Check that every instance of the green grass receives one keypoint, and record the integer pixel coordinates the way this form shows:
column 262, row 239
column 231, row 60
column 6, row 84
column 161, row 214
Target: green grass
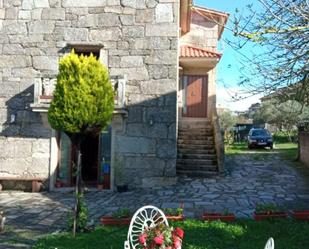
column 287, row 150
column 243, row 234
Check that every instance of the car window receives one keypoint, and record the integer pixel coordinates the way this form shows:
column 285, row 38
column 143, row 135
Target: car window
column 260, row 133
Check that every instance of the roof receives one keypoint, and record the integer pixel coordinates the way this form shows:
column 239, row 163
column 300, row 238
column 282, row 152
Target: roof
column 218, row 16
column 194, row 52
column 211, row 11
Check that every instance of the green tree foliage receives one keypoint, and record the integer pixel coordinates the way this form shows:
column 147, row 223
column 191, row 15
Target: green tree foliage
column 273, row 47
column 285, row 116
column 82, row 106
column 83, row 98
column 227, row 121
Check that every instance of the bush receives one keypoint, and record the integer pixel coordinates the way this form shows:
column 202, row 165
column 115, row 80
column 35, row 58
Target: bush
column 82, row 217
column 285, row 137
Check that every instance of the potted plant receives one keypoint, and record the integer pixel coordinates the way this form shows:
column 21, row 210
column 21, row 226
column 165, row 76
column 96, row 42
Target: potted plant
column 268, row 211
column 224, row 216
column 119, row 178
column 120, row 217
column 174, row 214
column 161, row 236
column 58, row 183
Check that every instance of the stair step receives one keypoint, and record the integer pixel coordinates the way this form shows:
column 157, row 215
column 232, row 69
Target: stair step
column 208, row 156
column 194, row 125
column 195, row 136
column 196, row 161
column 186, row 150
column 196, row 146
column 205, row 129
column 195, row 141
column 197, row 173
column 210, row 168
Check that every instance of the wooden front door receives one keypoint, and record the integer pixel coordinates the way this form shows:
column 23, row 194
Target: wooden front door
column 195, row 97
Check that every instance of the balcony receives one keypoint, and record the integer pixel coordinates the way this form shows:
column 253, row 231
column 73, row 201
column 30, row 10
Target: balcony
column 44, row 87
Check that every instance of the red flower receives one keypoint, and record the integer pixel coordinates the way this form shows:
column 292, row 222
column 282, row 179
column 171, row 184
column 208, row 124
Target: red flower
column 179, row 232
column 177, row 243
column 142, row 238
column 159, row 239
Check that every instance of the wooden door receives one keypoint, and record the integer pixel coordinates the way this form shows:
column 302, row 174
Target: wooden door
column 195, row 98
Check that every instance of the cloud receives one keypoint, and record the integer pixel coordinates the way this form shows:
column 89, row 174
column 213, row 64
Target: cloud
column 225, row 99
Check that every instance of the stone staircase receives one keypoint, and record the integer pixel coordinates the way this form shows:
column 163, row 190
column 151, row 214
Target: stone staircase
column 196, row 155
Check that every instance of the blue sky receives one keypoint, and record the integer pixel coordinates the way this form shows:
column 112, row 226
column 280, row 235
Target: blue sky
column 229, row 68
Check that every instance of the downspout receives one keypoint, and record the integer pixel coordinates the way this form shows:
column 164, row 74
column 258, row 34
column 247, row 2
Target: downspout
column 219, row 142
column 185, row 15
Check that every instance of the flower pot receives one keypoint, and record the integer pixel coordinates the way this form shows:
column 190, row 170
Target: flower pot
column 58, row 184
column 300, row 215
column 217, row 216
column 111, row 221
column 269, row 215
column 100, row 186
column 122, row 188
column 36, row 186
column 175, row 217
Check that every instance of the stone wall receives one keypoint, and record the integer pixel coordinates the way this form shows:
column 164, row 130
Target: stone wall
column 26, row 157
column 203, row 33
column 140, row 39
column 304, row 147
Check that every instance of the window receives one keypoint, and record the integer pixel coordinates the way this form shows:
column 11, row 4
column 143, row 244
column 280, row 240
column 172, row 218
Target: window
column 86, row 49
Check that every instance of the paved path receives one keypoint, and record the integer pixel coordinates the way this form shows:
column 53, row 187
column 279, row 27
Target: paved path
column 248, row 181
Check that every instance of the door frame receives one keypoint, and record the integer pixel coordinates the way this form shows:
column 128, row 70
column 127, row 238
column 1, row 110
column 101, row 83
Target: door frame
column 184, row 83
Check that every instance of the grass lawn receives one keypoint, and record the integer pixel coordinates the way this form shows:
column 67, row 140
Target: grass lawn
column 287, row 150
column 243, row 234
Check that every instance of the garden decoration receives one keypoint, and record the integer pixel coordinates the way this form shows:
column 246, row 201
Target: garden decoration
column 161, row 237
column 225, row 216
column 270, row 244
column 268, row 211
column 145, row 221
column 120, row 217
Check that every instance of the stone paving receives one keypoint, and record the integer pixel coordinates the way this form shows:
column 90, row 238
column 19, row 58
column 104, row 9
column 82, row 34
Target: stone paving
column 247, row 182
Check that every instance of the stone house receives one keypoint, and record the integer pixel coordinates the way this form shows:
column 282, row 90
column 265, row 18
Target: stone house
column 161, row 56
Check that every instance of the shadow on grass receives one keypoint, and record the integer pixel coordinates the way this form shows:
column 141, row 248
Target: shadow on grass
column 286, row 150
column 243, row 234
column 101, row 237
column 19, row 238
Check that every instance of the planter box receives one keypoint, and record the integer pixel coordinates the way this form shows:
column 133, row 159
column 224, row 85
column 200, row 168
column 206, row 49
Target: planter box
column 217, row 216
column 175, row 218
column 269, row 215
column 300, row 215
column 111, row 221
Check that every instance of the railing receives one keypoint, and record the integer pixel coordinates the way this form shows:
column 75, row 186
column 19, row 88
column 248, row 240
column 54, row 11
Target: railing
column 219, row 142
column 44, row 87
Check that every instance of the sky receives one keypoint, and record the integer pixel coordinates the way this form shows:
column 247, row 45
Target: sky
column 228, row 69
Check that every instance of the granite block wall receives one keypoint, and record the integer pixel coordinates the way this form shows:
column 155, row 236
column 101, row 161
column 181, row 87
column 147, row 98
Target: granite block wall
column 139, row 39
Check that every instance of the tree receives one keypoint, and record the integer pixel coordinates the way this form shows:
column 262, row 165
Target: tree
column 227, row 121
column 277, row 34
column 286, row 116
column 82, row 106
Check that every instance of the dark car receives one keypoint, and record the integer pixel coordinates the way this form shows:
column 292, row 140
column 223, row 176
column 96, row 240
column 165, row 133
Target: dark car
column 260, row 138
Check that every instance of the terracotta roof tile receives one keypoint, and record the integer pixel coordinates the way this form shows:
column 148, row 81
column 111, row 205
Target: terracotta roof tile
column 194, row 52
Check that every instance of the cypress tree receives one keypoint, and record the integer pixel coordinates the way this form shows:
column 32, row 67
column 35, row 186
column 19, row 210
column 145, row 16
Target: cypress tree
column 82, row 106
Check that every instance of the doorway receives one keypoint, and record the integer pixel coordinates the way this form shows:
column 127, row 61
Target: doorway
column 196, row 96
column 90, row 160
